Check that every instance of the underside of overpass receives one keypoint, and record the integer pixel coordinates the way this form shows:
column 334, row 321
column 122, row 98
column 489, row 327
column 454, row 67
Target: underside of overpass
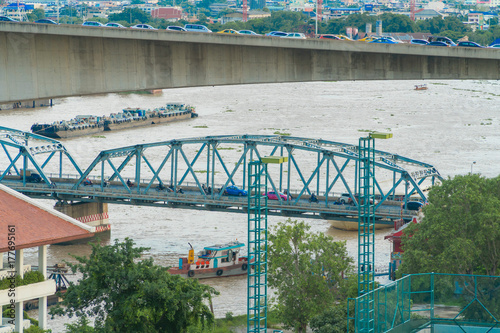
column 45, row 61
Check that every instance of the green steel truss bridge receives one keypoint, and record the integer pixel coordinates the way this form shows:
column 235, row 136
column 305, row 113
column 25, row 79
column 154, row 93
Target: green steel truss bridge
column 194, row 173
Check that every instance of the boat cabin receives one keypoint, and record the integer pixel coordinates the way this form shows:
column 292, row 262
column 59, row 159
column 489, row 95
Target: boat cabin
column 220, row 255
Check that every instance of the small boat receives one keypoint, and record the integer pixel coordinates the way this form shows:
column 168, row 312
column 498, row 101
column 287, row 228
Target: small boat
column 420, row 87
column 213, row 261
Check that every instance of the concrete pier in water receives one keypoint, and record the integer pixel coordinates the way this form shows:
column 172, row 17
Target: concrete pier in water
column 94, row 214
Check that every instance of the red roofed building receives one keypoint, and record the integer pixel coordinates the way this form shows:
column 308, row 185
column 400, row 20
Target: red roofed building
column 167, row 13
column 397, row 248
column 24, row 223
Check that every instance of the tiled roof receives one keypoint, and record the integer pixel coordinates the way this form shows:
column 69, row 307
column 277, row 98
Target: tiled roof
column 35, row 224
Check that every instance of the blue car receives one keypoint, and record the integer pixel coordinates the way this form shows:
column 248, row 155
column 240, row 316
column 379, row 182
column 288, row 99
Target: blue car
column 438, row 44
column 234, row 190
column 7, row 19
column 45, row 21
column 469, row 44
column 384, row 40
column 419, row 41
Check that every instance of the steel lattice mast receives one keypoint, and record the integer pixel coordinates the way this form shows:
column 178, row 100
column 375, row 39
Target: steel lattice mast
column 366, row 230
column 257, row 248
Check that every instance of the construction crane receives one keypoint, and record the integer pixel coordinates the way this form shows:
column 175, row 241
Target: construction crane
column 412, row 10
column 319, row 14
column 245, row 10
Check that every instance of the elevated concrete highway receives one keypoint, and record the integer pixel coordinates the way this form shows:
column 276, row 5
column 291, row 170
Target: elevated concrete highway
column 48, row 61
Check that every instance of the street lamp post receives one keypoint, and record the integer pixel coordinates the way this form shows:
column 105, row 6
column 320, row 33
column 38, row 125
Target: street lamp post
column 471, row 166
column 316, row 33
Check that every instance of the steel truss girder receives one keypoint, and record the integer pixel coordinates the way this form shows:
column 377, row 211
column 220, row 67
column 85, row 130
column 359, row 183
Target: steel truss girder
column 28, row 146
column 333, row 159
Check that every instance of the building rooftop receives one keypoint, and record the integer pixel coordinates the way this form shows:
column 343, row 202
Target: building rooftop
column 35, row 224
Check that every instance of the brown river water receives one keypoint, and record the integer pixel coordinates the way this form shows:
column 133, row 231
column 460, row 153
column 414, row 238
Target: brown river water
column 450, row 125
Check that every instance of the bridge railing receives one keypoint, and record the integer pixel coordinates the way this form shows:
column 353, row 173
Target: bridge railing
column 195, row 198
column 432, row 301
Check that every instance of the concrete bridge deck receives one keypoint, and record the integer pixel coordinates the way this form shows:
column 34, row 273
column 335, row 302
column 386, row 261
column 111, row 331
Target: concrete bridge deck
column 48, row 61
column 191, row 198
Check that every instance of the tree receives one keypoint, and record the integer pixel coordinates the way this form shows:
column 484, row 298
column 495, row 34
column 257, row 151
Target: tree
column 126, row 294
column 36, row 14
column 306, row 270
column 460, row 232
column 130, row 15
column 334, row 319
column 397, row 23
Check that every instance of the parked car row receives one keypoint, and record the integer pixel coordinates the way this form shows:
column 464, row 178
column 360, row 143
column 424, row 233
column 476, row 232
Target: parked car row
column 447, row 42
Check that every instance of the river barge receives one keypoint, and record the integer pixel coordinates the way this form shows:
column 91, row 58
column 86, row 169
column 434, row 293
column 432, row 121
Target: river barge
column 213, row 261
column 136, row 117
column 129, row 118
column 80, row 125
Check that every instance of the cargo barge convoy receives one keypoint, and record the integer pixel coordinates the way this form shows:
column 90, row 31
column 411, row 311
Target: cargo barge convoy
column 128, row 118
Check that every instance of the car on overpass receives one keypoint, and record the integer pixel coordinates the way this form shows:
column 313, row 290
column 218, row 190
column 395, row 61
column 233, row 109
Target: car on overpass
column 368, row 38
column 45, row 21
column 92, row 24
column 296, row 35
column 419, row 41
column 383, row 40
column 329, row 37
column 143, row 26
column 442, row 39
column 249, row 32
column 276, row 34
column 114, row 25
column 343, row 37
column 196, row 28
column 436, row 43
column 469, row 44
column 7, row 19
column 175, row 28
column 228, row 32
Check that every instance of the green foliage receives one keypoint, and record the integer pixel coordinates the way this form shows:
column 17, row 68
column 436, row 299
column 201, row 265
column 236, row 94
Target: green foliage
column 29, row 277
column 332, row 320
column 305, row 270
column 36, row 14
column 460, row 232
column 127, row 294
column 131, row 16
column 81, row 326
column 36, row 329
column 397, row 23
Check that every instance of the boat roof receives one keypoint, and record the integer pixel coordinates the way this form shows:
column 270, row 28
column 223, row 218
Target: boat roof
column 222, row 247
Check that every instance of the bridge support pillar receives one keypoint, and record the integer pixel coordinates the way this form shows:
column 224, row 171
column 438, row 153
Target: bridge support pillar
column 94, row 214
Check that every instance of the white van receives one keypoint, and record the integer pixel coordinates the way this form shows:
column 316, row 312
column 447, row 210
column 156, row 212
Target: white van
column 196, row 27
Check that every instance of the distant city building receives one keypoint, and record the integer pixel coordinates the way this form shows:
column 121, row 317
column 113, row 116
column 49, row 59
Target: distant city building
column 257, row 4
column 238, row 16
column 216, row 8
column 425, row 14
column 167, row 13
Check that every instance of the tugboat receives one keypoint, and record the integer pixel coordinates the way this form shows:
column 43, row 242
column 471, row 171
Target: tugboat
column 213, row 261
